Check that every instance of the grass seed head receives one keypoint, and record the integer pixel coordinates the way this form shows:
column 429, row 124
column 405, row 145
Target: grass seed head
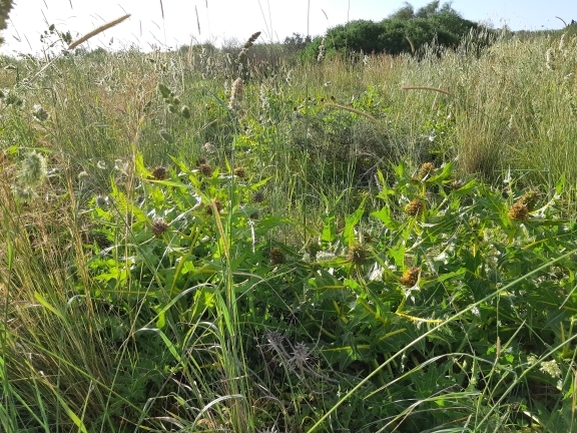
column 236, row 95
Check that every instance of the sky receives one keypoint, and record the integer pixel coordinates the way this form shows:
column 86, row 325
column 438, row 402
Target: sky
column 169, row 24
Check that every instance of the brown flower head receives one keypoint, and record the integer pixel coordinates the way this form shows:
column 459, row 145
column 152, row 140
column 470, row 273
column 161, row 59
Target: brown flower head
column 205, row 170
column 277, row 256
column 258, row 197
column 410, row 277
column 357, row 254
column 426, row 169
column 415, row 208
column 518, row 211
column 159, row 227
column 160, row 173
column 240, row 172
column 529, row 199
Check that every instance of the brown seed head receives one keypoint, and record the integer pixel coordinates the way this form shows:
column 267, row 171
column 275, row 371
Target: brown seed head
column 529, row 199
column 426, row 169
column 160, row 173
column 240, row 172
column 410, row 277
column 415, row 208
column 258, row 197
column 205, row 170
column 518, row 211
column 159, row 227
column 277, row 256
column 357, row 254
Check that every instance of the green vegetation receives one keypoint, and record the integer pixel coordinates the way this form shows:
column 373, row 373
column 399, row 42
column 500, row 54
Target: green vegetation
column 373, row 244
column 405, row 31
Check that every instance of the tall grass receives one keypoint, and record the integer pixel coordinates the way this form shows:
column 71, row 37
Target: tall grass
column 286, row 262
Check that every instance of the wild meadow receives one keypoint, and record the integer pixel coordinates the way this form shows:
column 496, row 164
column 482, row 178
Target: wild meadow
column 239, row 241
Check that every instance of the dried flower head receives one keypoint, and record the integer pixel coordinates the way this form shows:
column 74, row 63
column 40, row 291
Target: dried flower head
column 456, row 184
column 160, row 173
column 240, row 172
column 426, row 169
column 258, row 197
column 205, row 170
column 159, row 227
column 40, row 113
column 415, row 208
column 23, row 194
column 518, row 211
column 529, row 199
column 357, row 254
column 410, row 276
column 208, row 147
column 277, row 256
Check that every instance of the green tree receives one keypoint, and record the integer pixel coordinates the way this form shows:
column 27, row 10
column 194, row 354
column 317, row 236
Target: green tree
column 5, row 7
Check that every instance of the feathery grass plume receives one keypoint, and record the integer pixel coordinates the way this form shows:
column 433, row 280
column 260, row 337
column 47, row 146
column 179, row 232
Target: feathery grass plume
column 97, row 30
column 251, row 40
column 550, row 59
column 236, row 95
column 242, row 58
column 321, row 54
column 562, row 42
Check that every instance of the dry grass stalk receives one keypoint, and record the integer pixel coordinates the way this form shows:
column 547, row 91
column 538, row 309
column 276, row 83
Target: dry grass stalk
column 435, row 89
column 97, row 31
column 352, row 110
